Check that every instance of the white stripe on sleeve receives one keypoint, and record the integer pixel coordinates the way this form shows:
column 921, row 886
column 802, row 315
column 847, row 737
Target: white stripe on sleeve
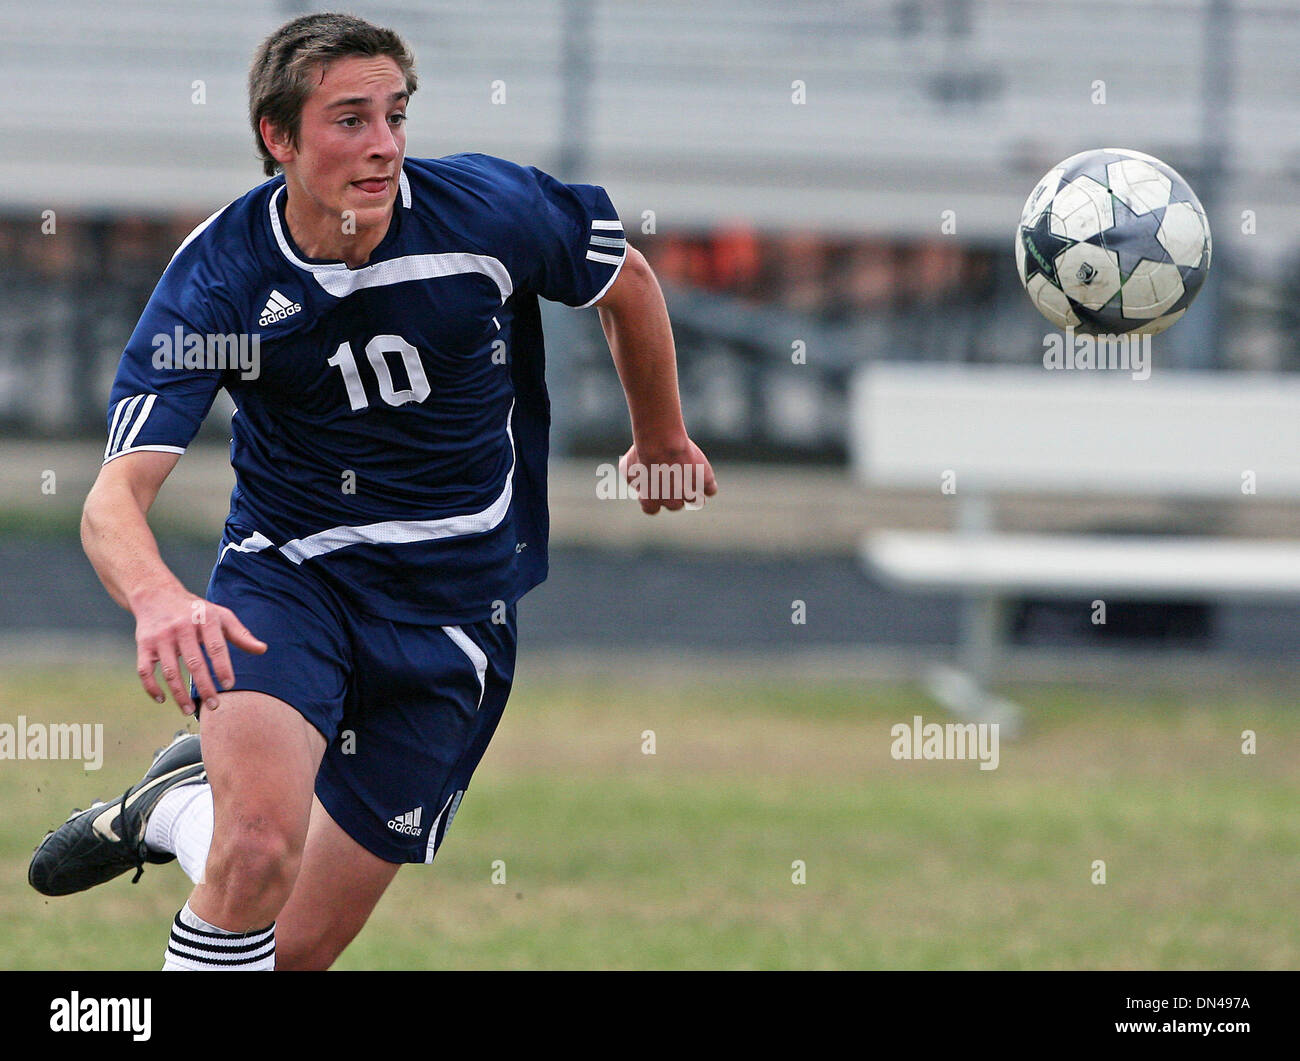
column 145, row 410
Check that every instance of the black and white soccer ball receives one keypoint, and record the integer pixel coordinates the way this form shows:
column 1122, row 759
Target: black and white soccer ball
column 1113, row 241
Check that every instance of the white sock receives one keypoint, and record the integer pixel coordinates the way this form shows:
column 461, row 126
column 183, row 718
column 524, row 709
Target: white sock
column 196, row 945
column 181, row 824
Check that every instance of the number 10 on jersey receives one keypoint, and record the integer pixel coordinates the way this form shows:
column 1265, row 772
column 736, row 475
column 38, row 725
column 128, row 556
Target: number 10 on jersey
column 375, row 350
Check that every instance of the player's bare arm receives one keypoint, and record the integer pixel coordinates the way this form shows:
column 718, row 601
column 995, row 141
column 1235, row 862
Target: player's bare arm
column 635, row 318
column 171, row 622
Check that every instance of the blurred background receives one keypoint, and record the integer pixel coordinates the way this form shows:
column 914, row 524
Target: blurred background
column 820, row 187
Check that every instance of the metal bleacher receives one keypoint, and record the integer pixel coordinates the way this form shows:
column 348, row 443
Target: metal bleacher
column 912, row 107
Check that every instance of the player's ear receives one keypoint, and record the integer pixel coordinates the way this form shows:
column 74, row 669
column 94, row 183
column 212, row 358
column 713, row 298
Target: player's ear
column 277, row 141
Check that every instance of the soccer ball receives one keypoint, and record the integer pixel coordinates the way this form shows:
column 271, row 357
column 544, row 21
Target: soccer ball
column 1112, row 241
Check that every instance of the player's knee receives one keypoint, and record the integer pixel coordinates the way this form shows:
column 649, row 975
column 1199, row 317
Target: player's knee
column 255, row 860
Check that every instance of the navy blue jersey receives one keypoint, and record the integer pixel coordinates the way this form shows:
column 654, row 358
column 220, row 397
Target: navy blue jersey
column 391, row 421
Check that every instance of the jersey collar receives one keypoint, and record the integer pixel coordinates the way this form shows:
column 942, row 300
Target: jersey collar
column 330, row 275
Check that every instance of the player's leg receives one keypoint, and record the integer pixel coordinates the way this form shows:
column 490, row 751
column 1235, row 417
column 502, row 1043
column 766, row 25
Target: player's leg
column 261, row 756
column 262, row 747
column 337, row 886
column 337, row 889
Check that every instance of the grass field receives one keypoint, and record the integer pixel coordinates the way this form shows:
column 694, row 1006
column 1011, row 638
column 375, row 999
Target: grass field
column 683, row 859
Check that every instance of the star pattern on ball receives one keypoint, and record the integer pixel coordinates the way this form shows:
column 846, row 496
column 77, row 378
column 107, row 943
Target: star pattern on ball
column 1127, row 226
column 1094, row 164
column 1042, row 248
column 1133, row 237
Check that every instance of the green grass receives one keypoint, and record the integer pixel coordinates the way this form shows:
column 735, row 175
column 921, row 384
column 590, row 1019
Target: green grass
column 683, row 859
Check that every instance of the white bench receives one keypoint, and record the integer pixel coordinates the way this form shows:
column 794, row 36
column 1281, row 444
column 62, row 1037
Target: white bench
column 980, row 431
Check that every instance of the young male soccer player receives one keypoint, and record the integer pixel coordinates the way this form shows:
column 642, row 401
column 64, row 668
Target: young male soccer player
column 390, row 507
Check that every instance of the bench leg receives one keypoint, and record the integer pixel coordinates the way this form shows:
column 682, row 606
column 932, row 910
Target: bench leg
column 980, row 636
column 965, row 691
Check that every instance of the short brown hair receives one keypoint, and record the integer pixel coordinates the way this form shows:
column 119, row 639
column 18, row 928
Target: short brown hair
column 286, row 62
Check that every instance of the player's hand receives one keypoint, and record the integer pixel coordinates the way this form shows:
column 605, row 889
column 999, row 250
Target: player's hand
column 670, row 477
column 174, row 627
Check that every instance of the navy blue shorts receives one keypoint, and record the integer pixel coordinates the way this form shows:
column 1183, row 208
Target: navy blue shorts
column 407, row 710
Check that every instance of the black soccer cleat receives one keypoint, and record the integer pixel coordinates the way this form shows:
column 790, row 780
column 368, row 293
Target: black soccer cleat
column 103, row 842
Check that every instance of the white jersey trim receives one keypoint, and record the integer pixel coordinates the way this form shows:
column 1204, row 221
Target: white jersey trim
column 198, row 232
column 145, row 449
column 340, row 281
column 608, row 283
column 145, row 410
column 476, row 656
column 117, row 419
column 129, row 416
column 430, row 848
column 254, row 543
column 408, row 531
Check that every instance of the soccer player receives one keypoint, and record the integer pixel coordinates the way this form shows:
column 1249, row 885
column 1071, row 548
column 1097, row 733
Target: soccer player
column 355, row 647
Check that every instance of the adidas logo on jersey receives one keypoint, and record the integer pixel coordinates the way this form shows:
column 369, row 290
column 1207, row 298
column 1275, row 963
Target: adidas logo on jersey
column 277, row 309
column 408, row 823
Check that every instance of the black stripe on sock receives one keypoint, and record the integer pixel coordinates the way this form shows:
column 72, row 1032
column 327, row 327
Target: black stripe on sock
column 222, row 934
column 243, row 948
column 249, row 960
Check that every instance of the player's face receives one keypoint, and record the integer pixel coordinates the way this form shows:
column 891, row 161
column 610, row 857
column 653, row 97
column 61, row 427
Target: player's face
column 352, row 140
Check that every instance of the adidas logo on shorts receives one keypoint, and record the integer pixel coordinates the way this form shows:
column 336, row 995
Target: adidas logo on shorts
column 408, row 823
column 277, row 308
